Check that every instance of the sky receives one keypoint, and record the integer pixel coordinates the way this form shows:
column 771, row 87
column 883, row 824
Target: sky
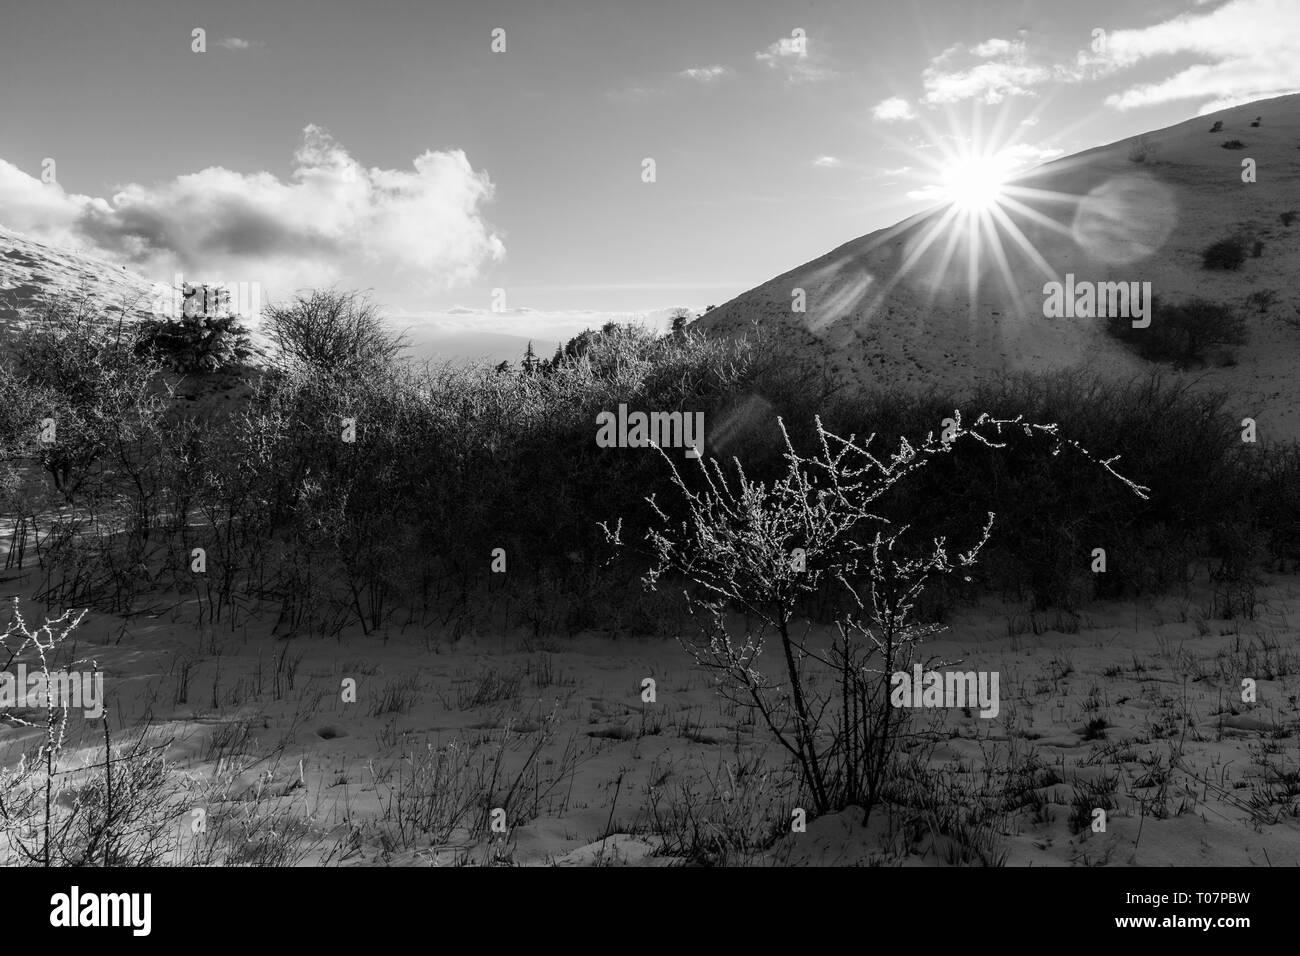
column 484, row 165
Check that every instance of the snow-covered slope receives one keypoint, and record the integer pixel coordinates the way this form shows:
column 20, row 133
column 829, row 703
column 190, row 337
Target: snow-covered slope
column 909, row 305
column 31, row 271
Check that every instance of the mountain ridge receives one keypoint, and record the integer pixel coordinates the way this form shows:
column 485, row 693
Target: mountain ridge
column 899, row 307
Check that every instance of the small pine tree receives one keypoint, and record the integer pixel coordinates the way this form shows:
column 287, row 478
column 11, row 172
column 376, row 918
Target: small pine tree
column 529, row 364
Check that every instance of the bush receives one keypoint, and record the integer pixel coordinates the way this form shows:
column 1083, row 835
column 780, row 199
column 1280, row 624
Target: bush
column 450, row 463
column 1181, row 332
column 1234, row 144
column 116, row 812
column 1289, row 217
column 1225, row 254
column 761, row 549
column 1142, row 150
column 74, row 367
column 1181, row 443
column 195, row 344
column 1217, row 127
column 1262, row 300
column 332, row 332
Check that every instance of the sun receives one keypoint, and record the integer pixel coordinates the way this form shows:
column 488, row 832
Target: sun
column 974, row 183
column 979, row 180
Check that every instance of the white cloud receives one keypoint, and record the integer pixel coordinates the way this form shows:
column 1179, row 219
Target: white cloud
column 235, row 43
column 330, row 219
column 828, row 162
column 995, row 47
column 704, row 74
column 989, row 71
column 1226, row 53
column 932, row 192
column 1022, row 157
column 1245, row 50
column 893, row 110
column 791, row 57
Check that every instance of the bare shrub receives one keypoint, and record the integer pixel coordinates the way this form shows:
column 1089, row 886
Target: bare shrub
column 761, row 549
column 332, row 331
column 117, row 812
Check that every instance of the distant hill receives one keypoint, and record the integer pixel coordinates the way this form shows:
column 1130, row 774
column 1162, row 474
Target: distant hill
column 31, row 271
column 1141, row 209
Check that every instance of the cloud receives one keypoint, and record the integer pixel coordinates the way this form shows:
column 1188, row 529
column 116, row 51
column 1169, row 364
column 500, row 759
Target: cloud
column 828, row 162
column 329, row 219
column 1021, row 157
column 1244, row 50
column 989, row 71
column 790, row 56
column 235, row 44
column 893, row 110
column 704, row 74
column 1226, row 53
column 996, row 47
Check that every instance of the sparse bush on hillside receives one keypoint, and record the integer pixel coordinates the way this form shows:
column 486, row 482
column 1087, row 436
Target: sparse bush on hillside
column 1257, row 120
column 1234, row 144
column 1289, row 217
column 1181, row 332
column 1262, row 300
column 1142, row 150
column 1225, row 254
column 1217, row 127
